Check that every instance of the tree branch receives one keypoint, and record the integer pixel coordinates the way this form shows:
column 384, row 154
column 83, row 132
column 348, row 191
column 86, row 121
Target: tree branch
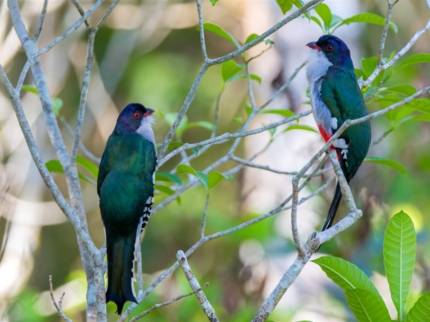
column 60, row 303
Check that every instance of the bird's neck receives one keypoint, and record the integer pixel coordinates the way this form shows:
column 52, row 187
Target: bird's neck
column 318, row 65
column 146, row 131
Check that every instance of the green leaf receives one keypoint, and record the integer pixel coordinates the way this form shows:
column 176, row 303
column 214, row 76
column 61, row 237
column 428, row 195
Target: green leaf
column 369, row 65
column 243, row 76
column 404, row 89
column 166, row 176
column 213, row 2
column 251, row 37
column 283, row 112
column 269, row 42
column 248, row 109
column 299, row 4
column 203, row 124
column 301, row 127
column 285, row 5
column 174, row 145
column 415, row 59
column 390, row 163
column 203, row 179
column 335, row 20
column 366, row 307
column 346, row 274
column 183, row 168
column 88, row 165
column 56, row 167
column 420, row 312
column 325, row 14
column 317, row 21
column 57, row 104
column 215, row 177
column 229, row 69
column 419, row 104
column 359, row 73
column 29, row 88
column 238, row 119
column 399, row 258
column 168, row 191
column 368, row 17
column 220, row 32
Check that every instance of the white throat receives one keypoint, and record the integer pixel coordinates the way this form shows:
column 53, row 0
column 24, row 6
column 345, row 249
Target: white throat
column 145, row 129
column 318, row 64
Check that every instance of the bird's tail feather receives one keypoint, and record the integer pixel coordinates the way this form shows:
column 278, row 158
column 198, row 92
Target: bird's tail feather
column 120, row 255
column 333, row 209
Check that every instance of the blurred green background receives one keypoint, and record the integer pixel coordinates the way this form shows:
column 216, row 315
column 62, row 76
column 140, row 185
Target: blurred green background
column 149, row 51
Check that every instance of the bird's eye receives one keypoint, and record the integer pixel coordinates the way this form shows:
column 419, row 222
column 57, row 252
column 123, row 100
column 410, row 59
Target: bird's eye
column 329, row 48
column 136, row 115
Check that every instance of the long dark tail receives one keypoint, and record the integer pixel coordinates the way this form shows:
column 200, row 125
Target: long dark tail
column 333, row 209
column 120, row 256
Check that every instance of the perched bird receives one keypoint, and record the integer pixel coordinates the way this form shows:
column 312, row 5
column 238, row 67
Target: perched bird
column 335, row 98
column 125, row 186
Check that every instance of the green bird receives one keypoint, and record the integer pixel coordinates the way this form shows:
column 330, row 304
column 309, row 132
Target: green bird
column 125, row 186
column 336, row 97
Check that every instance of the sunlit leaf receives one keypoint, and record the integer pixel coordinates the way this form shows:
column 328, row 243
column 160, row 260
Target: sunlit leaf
column 174, row 145
column 243, row 76
column 248, row 109
column 56, row 167
column 168, row 191
column 213, row 2
column 238, row 119
column 285, row 5
column 404, row 89
column 420, row 312
column 366, row 307
column 230, row 68
column 283, row 112
column 317, row 21
column 203, row 124
column 368, row 17
column 301, row 127
column 325, row 14
column 203, row 179
column 215, row 177
column 399, row 258
column 220, row 32
column 251, row 37
column 299, row 4
column 166, row 176
column 359, row 73
column 390, row 163
column 183, row 168
column 57, row 104
column 415, row 59
column 29, row 88
column 88, row 165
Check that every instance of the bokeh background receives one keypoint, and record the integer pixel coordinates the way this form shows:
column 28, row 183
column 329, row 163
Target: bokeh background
column 149, row 52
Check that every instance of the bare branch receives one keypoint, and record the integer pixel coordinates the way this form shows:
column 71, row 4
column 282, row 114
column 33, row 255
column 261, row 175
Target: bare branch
column 194, row 283
column 82, row 12
column 205, row 213
column 385, row 31
column 41, row 21
column 202, row 30
column 381, row 68
column 60, row 303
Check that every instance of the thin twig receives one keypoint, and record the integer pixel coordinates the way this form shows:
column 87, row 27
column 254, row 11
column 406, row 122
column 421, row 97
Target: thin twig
column 60, row 302
column 202, row 30
column 156, row 306
column 385, row 31
column 195, row 286
column 82, row 12
column 205, row 213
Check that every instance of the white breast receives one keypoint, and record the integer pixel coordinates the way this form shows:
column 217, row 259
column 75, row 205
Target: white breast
column 145, row 129
column 318, row 66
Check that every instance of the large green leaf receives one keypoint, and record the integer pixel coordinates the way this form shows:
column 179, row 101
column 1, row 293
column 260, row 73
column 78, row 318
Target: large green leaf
column 230, row 68
column 402, row 89
column 183, row 168
column 390, row 163
column 324, row 12
column 346, row 274
column 220, row 32
column 415, row 59
column 367, row 18
column 399, row 258
column 285, row 5
column 420, row 312
column 366, row 307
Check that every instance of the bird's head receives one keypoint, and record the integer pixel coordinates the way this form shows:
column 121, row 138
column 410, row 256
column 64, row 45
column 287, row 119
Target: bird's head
column 134, row 116
column 334, row 49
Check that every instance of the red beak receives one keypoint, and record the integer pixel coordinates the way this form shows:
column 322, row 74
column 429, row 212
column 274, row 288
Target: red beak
column 313, row 45
column 148, row 112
